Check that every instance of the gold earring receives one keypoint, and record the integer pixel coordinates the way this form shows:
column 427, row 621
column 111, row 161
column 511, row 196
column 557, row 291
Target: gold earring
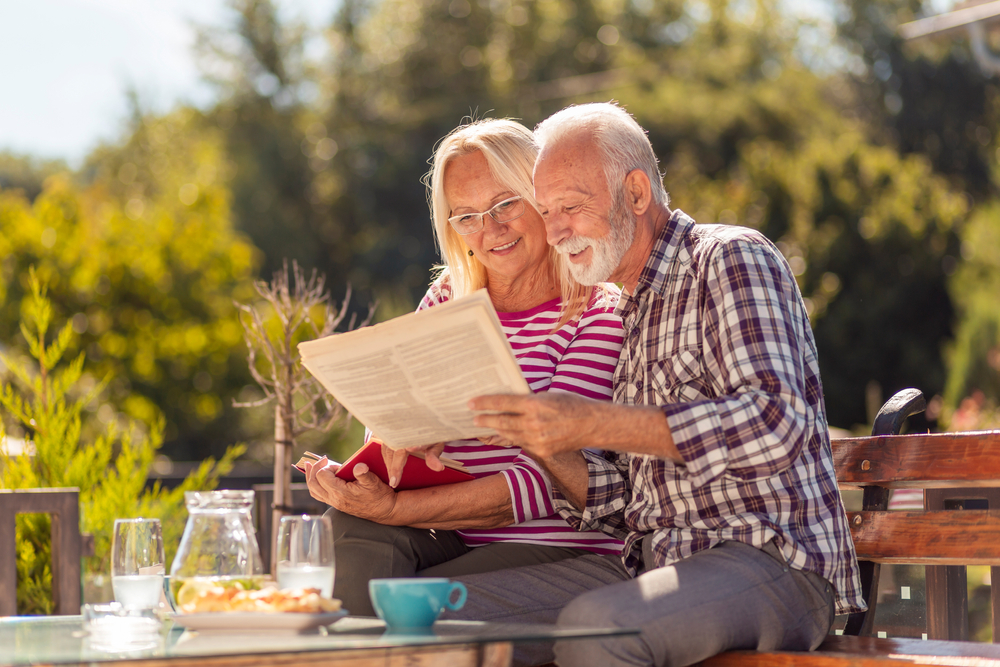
column 471, row 253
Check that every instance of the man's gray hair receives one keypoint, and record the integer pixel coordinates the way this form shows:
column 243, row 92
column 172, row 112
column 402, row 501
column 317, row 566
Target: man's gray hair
column 622, row 142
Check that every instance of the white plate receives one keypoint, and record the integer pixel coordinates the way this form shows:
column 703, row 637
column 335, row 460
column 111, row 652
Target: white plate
column 251, row 621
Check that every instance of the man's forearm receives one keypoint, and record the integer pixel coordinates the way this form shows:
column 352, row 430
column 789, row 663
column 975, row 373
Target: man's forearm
column 570, row 474
column 632, row 429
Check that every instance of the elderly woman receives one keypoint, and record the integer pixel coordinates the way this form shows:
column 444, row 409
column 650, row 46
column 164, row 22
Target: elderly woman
column 565, row 337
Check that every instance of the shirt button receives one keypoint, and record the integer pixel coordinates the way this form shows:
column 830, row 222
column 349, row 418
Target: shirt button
column 638, row 385
column 638, row 496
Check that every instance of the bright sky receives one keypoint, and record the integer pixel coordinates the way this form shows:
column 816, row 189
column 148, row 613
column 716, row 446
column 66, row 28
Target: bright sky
column 68, row 63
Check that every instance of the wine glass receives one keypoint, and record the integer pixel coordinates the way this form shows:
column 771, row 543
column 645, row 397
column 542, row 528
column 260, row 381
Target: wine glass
column 305, row 553
column 137, row 563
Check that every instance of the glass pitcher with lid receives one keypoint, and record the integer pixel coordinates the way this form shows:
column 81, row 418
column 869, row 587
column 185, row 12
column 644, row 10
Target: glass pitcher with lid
column 218, row 547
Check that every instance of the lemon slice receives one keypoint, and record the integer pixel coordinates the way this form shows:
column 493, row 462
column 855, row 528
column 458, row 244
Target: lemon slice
column 191, row 589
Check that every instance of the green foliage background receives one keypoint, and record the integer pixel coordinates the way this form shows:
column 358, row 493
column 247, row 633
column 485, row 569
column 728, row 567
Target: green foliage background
column 145, row 264
column 871, row 163
column 109, row 468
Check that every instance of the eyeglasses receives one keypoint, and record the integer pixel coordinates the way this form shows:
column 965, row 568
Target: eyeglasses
column 504, row 212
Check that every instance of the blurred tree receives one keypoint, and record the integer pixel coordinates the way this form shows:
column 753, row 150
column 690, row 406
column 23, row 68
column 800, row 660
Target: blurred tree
column 975, row 357
column 297, row 309
column 926, row 97
column 26, row 173
column 144, row 264
column 752, row 127
column 930, row 97
column 277, row 147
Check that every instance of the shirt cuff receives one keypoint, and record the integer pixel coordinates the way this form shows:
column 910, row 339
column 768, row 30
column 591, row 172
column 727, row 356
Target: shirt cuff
column 529, row 493
column 607, row 494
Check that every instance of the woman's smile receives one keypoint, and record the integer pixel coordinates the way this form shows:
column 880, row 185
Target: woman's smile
column 502, row 249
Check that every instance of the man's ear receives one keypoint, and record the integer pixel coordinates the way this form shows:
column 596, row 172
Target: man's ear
column 638, row 191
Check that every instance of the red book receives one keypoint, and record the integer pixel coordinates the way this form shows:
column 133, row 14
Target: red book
column 416, row 474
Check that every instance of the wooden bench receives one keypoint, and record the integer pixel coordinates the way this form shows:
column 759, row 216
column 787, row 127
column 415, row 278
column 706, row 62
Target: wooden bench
column 959, row 526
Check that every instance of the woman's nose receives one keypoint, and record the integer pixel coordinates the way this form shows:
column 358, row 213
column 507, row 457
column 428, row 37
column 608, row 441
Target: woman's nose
column 490, row 224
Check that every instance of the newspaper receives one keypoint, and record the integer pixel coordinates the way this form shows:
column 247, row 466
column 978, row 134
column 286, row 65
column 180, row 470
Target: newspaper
column 409, row 379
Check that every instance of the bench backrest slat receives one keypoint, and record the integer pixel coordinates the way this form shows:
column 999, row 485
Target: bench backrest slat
column 933, row 460
column 967, row 537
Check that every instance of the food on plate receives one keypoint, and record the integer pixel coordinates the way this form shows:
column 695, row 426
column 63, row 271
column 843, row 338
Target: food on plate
column 190, row 590
column 191, row 586
column 205, row 597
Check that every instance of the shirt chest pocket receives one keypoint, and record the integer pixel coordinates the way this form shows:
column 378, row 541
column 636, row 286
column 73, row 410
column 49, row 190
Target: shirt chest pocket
column 679, row 377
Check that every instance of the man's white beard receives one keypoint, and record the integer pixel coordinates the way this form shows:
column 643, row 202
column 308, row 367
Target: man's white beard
column 608, row 251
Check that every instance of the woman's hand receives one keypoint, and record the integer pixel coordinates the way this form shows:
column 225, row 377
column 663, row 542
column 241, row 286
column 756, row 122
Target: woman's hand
column 366, row 497
column 395, row 459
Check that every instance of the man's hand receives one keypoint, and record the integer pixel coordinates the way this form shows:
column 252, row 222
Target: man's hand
column 495, row 441
column 548, row 424
column 395, row 459
column 367, row 497
column 551, row 428
column 544, row 424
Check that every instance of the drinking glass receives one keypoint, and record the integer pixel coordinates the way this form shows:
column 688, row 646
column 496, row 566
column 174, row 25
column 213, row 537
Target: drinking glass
column 305, row 553
column 111, row 628
column 137, row 563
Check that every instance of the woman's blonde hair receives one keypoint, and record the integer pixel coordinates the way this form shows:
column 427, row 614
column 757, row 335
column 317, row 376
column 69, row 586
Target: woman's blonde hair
column 510, row 152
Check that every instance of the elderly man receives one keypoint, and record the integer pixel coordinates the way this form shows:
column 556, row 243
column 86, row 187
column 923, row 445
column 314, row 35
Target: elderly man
column 716, row 468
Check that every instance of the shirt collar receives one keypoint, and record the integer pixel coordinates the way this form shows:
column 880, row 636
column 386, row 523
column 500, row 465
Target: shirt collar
column 670, row 255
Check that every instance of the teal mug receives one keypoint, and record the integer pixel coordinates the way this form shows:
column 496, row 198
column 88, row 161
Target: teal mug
column 414, row 603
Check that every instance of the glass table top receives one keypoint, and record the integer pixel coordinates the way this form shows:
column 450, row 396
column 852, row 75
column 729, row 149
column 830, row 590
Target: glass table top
column 64, row 640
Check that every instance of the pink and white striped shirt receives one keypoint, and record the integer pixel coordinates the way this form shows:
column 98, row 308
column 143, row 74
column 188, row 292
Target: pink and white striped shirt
column 580, row 357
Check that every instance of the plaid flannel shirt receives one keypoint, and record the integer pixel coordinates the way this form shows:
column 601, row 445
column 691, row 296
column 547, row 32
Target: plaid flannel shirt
column 717, row 335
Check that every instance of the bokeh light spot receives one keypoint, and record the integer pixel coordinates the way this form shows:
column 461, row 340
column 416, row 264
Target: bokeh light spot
column 608, row 34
